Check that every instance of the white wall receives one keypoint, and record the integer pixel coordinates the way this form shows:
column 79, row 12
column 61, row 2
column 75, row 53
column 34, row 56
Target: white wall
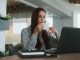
column 2, row 34
column 3, row 7
column 67, row 22
column 2, row 41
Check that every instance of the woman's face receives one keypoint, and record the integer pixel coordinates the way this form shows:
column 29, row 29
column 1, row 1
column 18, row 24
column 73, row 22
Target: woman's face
column 41, row 17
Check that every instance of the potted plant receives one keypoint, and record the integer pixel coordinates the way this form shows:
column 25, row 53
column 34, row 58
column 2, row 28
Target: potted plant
column 7, row 17
column 6, row 53
column 4, row 22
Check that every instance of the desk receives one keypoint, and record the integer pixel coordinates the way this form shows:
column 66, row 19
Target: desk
column 73, row 56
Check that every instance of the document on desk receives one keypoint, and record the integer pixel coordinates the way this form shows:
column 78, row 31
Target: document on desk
column 32, row 53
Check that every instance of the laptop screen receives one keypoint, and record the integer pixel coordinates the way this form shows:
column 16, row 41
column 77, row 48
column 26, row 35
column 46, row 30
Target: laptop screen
column 69, row 40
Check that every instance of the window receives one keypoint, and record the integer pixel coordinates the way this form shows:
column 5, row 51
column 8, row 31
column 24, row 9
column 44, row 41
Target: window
column 17, row 27
column 19, row 24
column 76, row 19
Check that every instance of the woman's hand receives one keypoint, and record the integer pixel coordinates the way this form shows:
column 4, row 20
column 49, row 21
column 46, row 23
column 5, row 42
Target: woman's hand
column 38, row 28
column 52, row 30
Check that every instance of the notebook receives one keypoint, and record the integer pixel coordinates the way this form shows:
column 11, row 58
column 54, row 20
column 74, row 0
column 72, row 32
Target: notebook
column 69, row 40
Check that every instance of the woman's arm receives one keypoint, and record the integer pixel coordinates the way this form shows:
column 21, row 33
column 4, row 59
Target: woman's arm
column 53, row 37
column 28, row 42
column 32, row 42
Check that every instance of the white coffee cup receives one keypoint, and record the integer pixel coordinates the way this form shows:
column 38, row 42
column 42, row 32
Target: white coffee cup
column 45, row 26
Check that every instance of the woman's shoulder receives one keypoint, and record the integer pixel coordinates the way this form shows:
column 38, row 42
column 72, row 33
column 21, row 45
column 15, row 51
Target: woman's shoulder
column 26, row 29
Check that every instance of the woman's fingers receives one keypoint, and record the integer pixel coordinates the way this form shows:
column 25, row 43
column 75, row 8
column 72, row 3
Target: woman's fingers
column 38, row 28
column 52, row 30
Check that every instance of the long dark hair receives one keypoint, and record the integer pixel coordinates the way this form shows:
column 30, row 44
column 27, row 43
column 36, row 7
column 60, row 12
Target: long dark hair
column 34, row 18
column 34, row 22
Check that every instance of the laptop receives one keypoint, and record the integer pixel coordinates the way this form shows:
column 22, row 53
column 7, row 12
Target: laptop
column 37, row 53
column 69, row 40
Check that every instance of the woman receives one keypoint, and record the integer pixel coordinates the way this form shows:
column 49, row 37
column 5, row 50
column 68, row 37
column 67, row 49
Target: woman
column 33, row 36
